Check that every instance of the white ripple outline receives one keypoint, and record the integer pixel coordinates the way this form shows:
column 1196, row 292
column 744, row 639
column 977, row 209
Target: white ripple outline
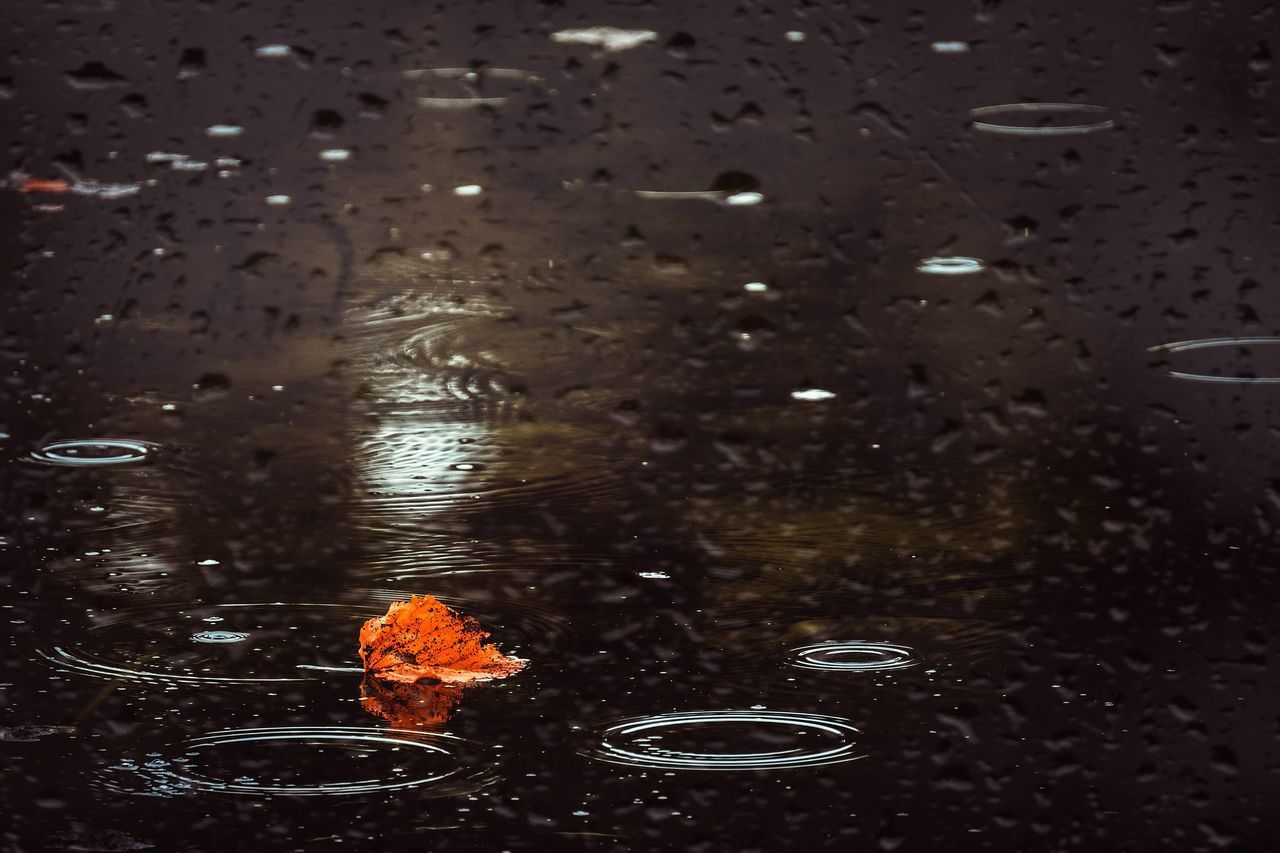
column 663, row 759
column 831, row 655
column 126, row 450
column 1213, row 343
column 1047, row 130
column 173, row 778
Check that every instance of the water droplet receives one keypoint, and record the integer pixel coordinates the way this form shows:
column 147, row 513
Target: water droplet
column 755, row 287
column 335, row 155
column 278, row 200
column 468, row 189
column 812, row 394
column 950, row 47
column 223, row 130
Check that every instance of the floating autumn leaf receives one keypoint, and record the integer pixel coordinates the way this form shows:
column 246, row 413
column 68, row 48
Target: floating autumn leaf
column 423, row 639
column 406, row 706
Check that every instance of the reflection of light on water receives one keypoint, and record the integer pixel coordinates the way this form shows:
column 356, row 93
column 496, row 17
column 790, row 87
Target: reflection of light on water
column 1217, row 343
column 812, row 395
column 852, row 656
column 812, row 740
column 950, row 47
column 607, row 38
column 1051, row 109
column 299, row 761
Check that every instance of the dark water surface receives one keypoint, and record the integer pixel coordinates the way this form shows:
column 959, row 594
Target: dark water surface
column 862, row 417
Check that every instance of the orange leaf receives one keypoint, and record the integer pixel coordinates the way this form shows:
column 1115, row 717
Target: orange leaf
column 407, row 706
column 37, row 185
column 422, row 638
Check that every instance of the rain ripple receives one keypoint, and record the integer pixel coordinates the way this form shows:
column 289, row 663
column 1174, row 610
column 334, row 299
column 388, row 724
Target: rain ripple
column 1042, row 112
column 1219, row 343
column 728, row 740
column 303, row 761
column 89, row 452
column 852, row 656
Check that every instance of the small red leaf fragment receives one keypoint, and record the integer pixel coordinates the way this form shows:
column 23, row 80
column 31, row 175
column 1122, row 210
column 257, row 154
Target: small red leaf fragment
column 37, row 185
column 424, row 639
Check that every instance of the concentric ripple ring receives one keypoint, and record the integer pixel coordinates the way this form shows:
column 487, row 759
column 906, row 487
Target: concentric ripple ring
column 1039, row 130
column 1215, row 343
column 86, row 452
column 443, row 771
column 820, row 740
column 852, row 656
column 951, row 266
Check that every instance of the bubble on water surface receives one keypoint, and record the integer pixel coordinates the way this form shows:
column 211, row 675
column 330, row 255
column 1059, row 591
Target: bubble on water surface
column 1043, row 113
column 852, row 656
column 950, row 47
column 812, row 395
column 219, row 637
column 305, row 761
column 335, row 155
column 88, row 452
column 468, row 190
column 223, row 130
column 1219, row 343
column 728, row 740
column 951, row 266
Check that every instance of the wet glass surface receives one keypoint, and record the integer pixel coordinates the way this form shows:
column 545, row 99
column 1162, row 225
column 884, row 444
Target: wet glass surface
column 860, row 417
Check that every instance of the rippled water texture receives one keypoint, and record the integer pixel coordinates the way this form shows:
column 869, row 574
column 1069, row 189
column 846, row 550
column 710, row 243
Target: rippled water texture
column 858, row 417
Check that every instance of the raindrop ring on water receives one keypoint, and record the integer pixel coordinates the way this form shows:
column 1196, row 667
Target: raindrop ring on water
column 951, row 266
column 86, row 452
column 852, row 656
column 819, row 740
column 399, row 749
column 1216, row 343
column 464, row 86
column 1039, row 109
